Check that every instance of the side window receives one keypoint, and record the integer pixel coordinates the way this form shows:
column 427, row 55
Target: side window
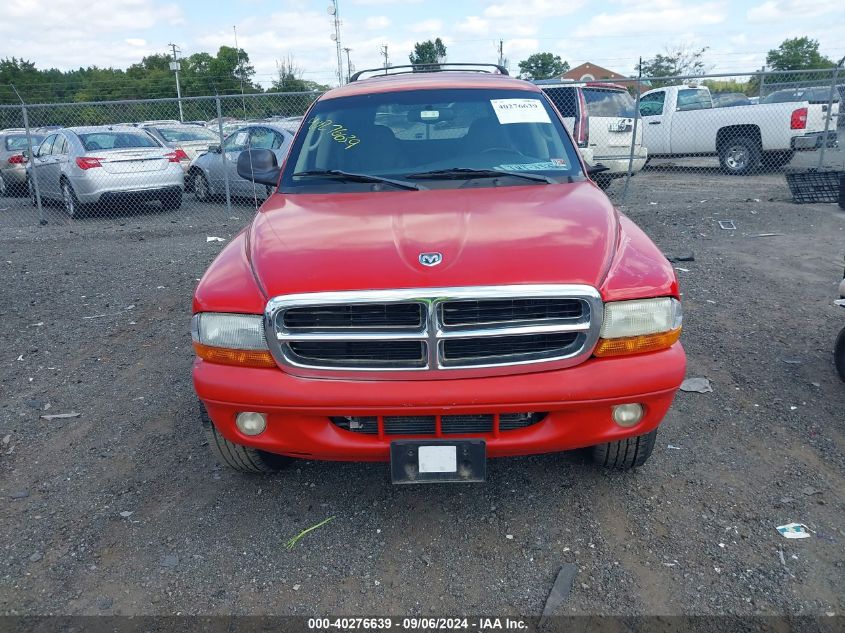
column 652, row 104
column 47, row 146
column 237, row 141
column 692, row 99
column 278, row 140
column 565, row 100
column 59, row 146
column 261, row 138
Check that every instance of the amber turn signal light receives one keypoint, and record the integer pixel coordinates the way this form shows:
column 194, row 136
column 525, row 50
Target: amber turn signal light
column 240, row 357
column 636, row 344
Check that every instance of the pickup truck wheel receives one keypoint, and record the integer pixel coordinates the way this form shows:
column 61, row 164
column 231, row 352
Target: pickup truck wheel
column 839, row 354
column 739, row 156
column 241, row 458
column 625, row 454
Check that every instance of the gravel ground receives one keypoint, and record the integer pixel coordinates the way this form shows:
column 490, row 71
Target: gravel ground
column 122, row 510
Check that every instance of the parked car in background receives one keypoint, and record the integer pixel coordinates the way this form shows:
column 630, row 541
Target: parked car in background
column 188, row 141
column 818, row 98
column 729, row 99
column 13, row 159
column 207, row 173
column 682, row 121
column 600, row 117
column 80, row 166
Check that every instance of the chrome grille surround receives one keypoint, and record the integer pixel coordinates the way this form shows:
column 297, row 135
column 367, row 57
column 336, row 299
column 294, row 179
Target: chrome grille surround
column 433, row 332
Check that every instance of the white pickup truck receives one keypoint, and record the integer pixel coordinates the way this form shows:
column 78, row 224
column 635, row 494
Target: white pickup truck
column 682, row 121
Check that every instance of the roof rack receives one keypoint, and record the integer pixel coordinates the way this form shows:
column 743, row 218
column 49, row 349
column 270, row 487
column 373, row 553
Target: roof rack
column 431, row 68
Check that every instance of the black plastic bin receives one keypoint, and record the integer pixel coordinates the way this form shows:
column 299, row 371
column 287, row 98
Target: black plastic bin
column 815, row 186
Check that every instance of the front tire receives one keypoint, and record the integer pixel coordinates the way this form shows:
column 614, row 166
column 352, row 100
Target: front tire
column 625, row 454
column 202, row 191
column 839, row 354
column 739, row 156
column 244, row 459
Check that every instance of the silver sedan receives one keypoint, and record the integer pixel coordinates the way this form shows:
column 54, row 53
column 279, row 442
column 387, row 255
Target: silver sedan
column 209, row 171
column 105, row 164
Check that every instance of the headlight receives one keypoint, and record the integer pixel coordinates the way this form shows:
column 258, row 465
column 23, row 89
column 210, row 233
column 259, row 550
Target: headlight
column 231, row 339
column 643, row 325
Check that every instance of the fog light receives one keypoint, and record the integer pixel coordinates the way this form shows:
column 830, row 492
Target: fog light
column 627, row 414
column 251, row 423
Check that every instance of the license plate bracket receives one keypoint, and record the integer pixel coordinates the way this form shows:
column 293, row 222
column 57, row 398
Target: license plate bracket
column 438, row 461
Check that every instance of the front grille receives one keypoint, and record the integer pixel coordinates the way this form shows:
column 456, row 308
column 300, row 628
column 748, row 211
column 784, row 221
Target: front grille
column 434, row 329
column 360, row 315
column 497, row 311
column 468, row 424
column 375, row 353
column 468, row 351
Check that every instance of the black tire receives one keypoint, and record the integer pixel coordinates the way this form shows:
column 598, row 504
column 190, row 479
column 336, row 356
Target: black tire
column 772, row 161
column 625, row 454
column 739, row 155
column 241, row 458
column 172, row 200
column 839, row 354
column 202, row 190
column 70, row 203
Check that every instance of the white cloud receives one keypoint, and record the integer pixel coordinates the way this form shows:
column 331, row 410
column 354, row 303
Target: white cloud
column 790, row 10
column 474, row 25
column 376, row 22
column 663, row 16
column 426, row 26
column 532, row 9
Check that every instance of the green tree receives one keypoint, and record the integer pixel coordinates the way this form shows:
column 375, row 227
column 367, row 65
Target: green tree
column 677, row 61
column 797, row 53
column 542, row 66
column 428, row 52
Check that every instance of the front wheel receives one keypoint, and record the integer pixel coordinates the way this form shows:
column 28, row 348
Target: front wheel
column 839, row 354
column 739, row 156
column 241, row 458
column 625, row 454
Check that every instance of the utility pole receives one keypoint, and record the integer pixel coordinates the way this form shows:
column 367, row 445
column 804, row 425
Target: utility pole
column 501, row 53
column 348, row 64
column 383, row 52
column 176, row 67
column 335, row 13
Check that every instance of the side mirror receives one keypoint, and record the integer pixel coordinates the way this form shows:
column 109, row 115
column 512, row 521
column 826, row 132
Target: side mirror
column 213, row 149
column 598, row 168
column 259, row 166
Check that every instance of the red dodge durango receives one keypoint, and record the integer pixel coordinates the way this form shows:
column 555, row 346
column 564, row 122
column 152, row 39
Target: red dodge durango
column 435, row 281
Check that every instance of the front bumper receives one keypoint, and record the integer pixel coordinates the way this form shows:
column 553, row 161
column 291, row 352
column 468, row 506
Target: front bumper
column 578, row 401
column 617, row 163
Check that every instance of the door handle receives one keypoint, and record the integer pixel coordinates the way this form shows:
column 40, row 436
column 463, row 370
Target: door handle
column 654, row 122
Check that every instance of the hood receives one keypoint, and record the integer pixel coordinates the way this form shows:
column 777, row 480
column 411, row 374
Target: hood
column 487, row 236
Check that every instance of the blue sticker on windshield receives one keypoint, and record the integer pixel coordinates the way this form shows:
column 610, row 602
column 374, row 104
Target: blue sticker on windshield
column 554, row 164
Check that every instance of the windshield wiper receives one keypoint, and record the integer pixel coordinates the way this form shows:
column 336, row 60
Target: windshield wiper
column 460, row 173
column 345, row 175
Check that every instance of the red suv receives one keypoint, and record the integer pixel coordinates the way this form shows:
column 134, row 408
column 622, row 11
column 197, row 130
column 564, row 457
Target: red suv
column 435, row 281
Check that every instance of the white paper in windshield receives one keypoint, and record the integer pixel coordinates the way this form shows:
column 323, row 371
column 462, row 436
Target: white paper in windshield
column 520, row 111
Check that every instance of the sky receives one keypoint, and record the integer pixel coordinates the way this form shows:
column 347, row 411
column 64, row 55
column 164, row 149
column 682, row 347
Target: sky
column 68, row 34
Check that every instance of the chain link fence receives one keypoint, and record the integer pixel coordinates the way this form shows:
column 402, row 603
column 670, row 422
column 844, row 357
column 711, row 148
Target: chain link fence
column 174, row 160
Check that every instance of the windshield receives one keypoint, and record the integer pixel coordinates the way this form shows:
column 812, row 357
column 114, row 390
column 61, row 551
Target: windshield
column 399, row 135
column 602, row 102
column 18, row 143
column 116, row 140
column 183, row 134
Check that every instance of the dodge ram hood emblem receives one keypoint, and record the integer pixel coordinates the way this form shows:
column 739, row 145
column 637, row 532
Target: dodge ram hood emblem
column 430, row 259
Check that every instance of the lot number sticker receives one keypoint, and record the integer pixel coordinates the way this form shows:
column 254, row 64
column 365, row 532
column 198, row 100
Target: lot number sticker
column 520, row 111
